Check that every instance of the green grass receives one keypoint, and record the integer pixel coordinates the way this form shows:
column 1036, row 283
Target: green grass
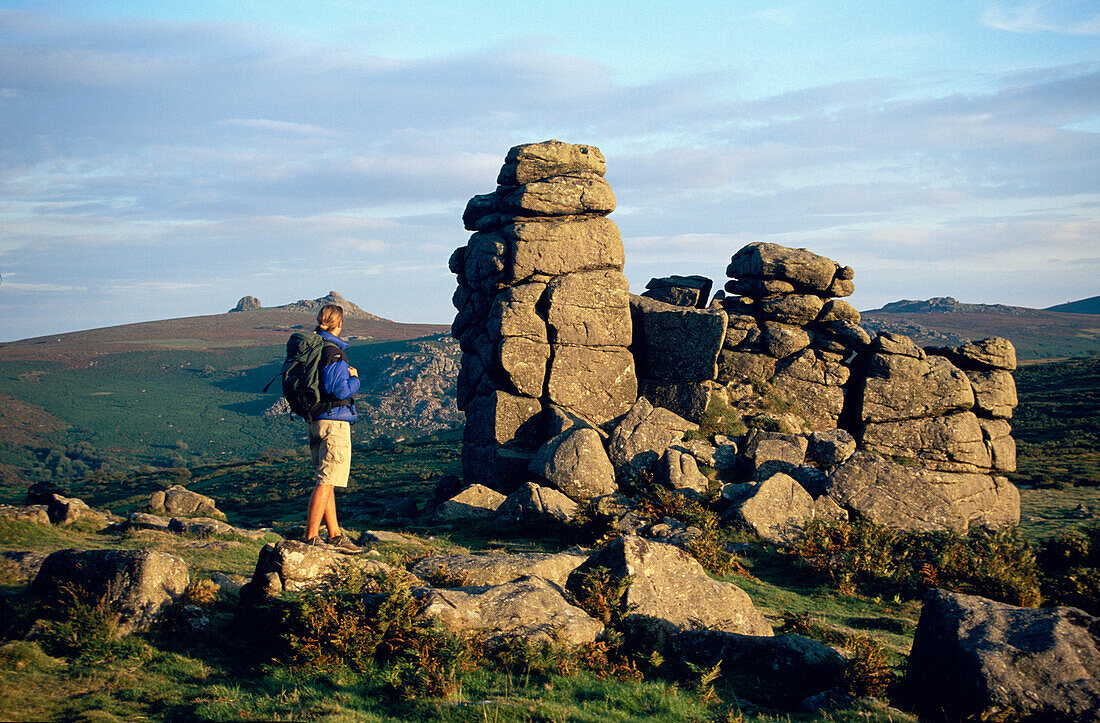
column 1057, row 425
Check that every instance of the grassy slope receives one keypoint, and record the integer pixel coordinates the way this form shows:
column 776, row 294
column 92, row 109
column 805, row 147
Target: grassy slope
column 162, row 678
column 158, row 407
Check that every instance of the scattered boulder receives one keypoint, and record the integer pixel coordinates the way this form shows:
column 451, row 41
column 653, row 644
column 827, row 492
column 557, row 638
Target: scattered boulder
column 208, row 527
column 830, row 448
column 137, row 584
column 530, row 608
column 64, row 511
column 473, row 503
column 459, row 569
column 771, row 452
column 535, row 505
column 786, row 668
column 576, row 463
column 38, row 514
column 777, row 509
column 178, row 500
column 670, row 589
column 643, row 435
column 679, row 471
column 148, row 521
column 974, row 658
column 289, row 565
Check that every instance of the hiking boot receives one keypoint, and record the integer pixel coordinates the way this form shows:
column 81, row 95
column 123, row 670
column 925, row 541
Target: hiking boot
column 342, row 544
column 316, row 542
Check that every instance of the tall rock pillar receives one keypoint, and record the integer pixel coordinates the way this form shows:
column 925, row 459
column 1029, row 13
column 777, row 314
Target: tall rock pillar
column 543, row 308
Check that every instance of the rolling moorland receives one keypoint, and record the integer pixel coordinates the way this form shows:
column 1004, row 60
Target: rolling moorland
column 113, row 416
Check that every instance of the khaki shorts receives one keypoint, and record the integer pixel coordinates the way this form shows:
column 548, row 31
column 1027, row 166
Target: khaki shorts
column 330, row 445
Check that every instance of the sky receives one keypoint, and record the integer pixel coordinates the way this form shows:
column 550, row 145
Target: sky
column 162, row 160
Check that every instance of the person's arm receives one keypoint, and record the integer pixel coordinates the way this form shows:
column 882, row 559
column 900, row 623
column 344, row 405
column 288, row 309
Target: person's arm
column 338, row 380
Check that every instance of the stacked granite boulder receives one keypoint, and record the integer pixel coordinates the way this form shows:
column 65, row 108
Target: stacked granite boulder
column 543, row 308
column 572, row 386
column 789, row 328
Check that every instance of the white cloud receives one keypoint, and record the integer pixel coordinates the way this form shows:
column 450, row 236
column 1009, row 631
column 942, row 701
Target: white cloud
column 1065, row 17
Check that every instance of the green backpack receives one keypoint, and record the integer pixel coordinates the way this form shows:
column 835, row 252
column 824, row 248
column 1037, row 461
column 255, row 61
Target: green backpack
column 301, row 375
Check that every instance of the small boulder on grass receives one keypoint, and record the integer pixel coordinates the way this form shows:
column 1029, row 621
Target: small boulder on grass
column 530, row 608
column 180, row 501
column 667, row 586
column 473, row 503
column 786, row 669
column 136, row 584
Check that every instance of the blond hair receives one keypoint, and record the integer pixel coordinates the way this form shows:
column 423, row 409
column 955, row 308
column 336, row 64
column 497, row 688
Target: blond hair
column 329, row 317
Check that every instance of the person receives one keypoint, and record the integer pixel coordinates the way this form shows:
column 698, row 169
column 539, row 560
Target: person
column 330, row 433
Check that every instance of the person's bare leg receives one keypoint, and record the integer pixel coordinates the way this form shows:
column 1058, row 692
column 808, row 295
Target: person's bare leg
column 319, row 503
column 330, row 514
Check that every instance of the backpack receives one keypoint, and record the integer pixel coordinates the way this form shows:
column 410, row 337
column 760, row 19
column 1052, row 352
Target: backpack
column 301, row 375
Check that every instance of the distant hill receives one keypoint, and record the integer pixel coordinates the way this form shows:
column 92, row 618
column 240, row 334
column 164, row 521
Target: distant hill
column 241, row 327
column 1090, row 305
column 1037, row 333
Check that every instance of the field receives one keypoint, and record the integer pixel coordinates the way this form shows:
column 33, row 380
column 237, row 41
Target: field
column 137, row 411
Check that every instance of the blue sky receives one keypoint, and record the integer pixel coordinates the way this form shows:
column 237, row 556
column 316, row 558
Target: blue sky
column 164, row 159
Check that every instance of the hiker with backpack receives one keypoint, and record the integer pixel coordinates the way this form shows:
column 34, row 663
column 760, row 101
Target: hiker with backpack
column 330, row 420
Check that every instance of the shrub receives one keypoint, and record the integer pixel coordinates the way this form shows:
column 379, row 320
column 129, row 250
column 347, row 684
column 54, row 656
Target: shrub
column 600, row 594
column 1070, row 565
column 366, row 623
column 868, row 558
column 84, row 627
column 719, row 418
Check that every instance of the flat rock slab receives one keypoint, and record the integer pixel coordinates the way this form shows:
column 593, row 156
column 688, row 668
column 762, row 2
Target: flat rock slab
column 36, row 514
column 207, row 527
column 976, row 658
column 671, row 588
column 479, row 570
column 137, row 584
column 530, row 608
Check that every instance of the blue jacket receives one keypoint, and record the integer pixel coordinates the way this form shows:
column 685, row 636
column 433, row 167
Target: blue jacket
column 337, row 382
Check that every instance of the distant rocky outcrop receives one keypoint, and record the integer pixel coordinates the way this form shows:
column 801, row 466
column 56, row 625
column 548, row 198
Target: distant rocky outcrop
column 247, row 303
column 416, row 388
column 312, row 306
column 570, row 383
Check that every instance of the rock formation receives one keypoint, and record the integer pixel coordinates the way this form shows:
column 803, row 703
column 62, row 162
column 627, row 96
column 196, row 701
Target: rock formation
column 247, row 303
column 543, row 308
column 570, row 383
